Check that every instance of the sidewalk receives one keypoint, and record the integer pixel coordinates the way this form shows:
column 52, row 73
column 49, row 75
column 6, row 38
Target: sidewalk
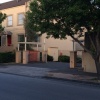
column 72, row 77
column 55, row 70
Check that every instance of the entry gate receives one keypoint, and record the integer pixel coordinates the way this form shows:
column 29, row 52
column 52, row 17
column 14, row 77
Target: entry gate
column 33, row 56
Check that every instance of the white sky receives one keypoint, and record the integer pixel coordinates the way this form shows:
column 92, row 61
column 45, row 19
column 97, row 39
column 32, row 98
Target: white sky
column 2, row 1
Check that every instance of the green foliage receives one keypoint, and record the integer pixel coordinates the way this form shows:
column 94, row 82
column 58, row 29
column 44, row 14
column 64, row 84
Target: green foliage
column 7, row 57
column 49, row 58
column 59, row 18
column 64, row 58
column 29, row 31
column 2, row 17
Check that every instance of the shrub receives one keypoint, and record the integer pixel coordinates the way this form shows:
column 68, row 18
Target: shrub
column 49, row 58
column 7, row 57
column 64, row 58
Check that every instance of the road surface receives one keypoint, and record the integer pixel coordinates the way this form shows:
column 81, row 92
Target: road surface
column 13, row 87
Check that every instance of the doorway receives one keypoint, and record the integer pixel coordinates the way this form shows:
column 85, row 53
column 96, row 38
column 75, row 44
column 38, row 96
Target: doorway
column 9, row 40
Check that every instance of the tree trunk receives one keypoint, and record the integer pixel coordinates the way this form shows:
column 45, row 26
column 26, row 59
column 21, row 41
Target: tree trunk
column 97, row 63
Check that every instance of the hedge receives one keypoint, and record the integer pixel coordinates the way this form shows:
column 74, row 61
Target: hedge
column 64, row 58
column 7, row 57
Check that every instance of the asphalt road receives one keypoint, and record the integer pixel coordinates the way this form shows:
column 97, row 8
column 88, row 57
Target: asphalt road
column 13, row 87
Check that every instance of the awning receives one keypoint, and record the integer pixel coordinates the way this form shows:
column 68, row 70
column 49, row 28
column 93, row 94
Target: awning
column 6, row 33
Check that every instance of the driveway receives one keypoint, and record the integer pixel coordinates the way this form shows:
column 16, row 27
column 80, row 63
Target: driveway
column 36, row 69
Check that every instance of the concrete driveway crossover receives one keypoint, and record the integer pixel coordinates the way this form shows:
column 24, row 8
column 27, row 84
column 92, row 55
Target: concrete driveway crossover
column 36, row 69
column 25, row 70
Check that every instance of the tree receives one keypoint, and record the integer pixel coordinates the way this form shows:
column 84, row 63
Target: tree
column 31, row 34
column 61, row 18
column 2, row 17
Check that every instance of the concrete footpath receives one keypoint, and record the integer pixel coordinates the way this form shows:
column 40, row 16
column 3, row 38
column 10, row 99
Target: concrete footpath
column 53, row 70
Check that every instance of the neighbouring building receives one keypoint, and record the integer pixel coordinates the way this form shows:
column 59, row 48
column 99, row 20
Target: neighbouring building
column 14, row 31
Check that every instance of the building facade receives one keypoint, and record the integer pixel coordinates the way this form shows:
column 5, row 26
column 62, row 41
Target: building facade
column 14, row 31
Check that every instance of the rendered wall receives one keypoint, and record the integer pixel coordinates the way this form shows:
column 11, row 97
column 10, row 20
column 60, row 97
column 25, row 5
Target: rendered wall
column 60, row 44
column 88, row 63
column 73, row 56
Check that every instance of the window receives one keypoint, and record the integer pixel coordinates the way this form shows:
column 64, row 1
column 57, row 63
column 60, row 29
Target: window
column 36, row 38
column 20, row 19
column 9, row 21
column 20, row 38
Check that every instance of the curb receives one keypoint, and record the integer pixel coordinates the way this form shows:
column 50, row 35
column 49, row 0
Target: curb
column 56, row 78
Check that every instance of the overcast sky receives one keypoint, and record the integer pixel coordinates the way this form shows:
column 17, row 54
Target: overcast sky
column 2, row 1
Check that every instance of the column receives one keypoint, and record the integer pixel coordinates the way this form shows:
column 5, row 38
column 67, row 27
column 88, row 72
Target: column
column 44, row 56
column 25, row 57
column 73, row 58
column 18, row 56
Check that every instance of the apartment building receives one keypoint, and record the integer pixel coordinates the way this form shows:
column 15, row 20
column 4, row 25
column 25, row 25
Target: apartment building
column 14, row 31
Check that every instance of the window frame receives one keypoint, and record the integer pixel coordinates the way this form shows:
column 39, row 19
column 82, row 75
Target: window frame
column 20, row 35
column 10, row 20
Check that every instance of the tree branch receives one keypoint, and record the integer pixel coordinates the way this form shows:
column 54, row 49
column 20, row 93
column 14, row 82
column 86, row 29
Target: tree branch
column 98, row 44
column 92, row 42
column 82, row 46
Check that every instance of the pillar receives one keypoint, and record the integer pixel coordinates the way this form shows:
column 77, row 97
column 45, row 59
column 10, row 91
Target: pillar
column 38, row 58
column 88, row 63
column 18, row 56
column 25, row 57
column 44, row 56
column 73, row 57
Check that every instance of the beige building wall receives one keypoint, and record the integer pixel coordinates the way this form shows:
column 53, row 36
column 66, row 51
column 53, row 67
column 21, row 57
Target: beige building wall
column 88, row 63
column 56, row 47
column 62, row 45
